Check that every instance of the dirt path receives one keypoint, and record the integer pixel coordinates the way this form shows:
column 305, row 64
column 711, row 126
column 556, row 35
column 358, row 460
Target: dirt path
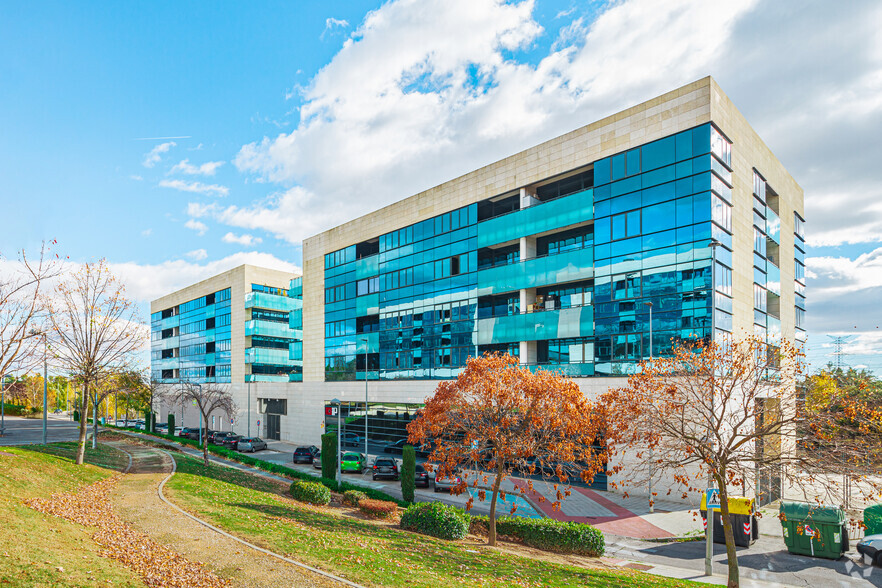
column 136, row 501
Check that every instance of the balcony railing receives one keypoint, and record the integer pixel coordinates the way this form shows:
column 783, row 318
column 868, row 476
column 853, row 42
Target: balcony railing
column 271, row 329
column 537, row 271
column 536, row 326
column 271, row 301
column 547, row 216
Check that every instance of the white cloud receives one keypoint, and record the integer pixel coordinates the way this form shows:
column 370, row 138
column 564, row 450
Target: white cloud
column 206, row 169
column 197, row 226
column 197, row 254
column 246, row 240
column 154, row 156
column 148, row 282
column 838, row 277
column 425, row 91
column 196, row 187
column 334, row 24
column 146, row 232
column 136, row 177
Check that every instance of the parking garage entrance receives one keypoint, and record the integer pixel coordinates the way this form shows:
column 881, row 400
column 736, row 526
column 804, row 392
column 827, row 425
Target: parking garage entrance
column 273, row 410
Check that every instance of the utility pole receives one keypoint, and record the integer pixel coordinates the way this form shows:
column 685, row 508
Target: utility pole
column 709, row 533
column 651, row 501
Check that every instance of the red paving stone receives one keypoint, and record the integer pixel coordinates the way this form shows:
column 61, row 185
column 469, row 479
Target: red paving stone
column 625, row 523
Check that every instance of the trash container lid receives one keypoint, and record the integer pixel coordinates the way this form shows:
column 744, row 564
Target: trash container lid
column 804, row 511
column 739, row 505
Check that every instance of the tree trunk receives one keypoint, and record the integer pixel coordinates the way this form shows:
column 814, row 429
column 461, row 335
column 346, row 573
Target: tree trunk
column 205, row 441
column 81, row 443
column 731, row 555
column 491, row 539
column 95, row 421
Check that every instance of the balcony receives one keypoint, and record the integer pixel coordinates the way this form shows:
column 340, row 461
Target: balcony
column 568, row 370
column 773, row 279
column 271, row 329
column 269, row 356
column 169, row 363
column 367, row 267
column 367, row 305
column 170, row 322
column 535, row 326
column 569, row 266
column 272, row 302
column 372, row 345
column 548, row 216
column 271, row 378
column 773, row 226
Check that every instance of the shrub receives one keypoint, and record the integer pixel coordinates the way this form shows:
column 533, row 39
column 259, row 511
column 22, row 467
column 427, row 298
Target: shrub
column 310, row 492
column 379, row 509
column 551, row 535
column 408, row 469
column 76, row 416
column 329, row 455
column 353, row 497
column 436, row 519
column 171, row 425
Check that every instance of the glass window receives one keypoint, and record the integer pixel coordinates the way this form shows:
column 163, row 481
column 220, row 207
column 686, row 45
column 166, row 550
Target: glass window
column 626, row 225
column 627, row 286
column 721, row 147
column 799, row 271
column 799, row 226
column 759, row 186
column 722, row 213
column 759, row 298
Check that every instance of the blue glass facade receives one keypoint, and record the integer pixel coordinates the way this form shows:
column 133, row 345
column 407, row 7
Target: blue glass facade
column 563, row 272
column 191, row 341
column 274, row 333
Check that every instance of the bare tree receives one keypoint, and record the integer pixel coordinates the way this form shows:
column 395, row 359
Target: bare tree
column 96, row 330
column 208, row 398
column 21, row 305
column 730, row 411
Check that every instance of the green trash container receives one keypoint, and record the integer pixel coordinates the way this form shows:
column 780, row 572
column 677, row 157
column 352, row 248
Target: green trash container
column 813, row 530
column 873, row 520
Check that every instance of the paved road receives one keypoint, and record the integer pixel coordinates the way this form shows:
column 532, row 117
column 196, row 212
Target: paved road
column 766, row 560
column 21, row 431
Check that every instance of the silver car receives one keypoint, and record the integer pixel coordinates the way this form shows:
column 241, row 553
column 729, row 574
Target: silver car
column 251, row 444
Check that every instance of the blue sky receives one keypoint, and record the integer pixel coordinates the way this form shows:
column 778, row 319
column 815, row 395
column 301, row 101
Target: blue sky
column 180, row 139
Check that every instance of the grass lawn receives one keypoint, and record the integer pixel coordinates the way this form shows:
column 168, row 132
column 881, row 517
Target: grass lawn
column 42, row 550
column 371, row 554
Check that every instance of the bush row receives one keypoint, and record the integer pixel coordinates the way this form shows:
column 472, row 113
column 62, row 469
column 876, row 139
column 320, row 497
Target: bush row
column 380, row 509
column 310, row 492
column 547, row 534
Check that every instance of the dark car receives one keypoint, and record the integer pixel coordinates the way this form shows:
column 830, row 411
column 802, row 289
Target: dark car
column 190, row 432
column 217, row 437
column 305, row 454
column 397, row 447
column 871, row 547
column 385, row 467
column 420, row 476
column 232, row 441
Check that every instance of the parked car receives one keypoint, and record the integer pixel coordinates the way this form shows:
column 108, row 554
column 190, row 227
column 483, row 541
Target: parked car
column 190, row 433
column 232, row 441
column 421, row 476
column 871, row 547
column 317, row 460
column 305, row 454
column 178, row 431
column 352, row 462
column 350, row 440
column 162, row 428
column 385, row 467
column 251, row 444
column 397, row 447
column 217, row 437
column 446, row 482
column 125, row 423
column 139, row 425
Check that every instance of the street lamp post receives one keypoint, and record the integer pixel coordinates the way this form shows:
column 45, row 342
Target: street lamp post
column 198, row 385
column 249, row 408
column 339, row 439
column 651, row 501
column 365, row 341
column 709, row 532
column 2, row 405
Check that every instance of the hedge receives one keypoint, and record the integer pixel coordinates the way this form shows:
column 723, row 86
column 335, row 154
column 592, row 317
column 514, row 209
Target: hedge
column 353, row 497
column 329, row 455
column 380, row 509
column 171, row 425
column 436, row 519
column 310, row 492
column 548, row 534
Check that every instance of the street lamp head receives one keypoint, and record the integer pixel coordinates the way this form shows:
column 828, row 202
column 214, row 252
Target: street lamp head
column 335, row 401
column 714, row 243
column 649, row 304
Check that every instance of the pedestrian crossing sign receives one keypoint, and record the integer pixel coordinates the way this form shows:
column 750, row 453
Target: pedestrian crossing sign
column 712, row 498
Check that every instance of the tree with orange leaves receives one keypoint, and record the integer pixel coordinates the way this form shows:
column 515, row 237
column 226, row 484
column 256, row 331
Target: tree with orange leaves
column 729, row 411
column 498, row 418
